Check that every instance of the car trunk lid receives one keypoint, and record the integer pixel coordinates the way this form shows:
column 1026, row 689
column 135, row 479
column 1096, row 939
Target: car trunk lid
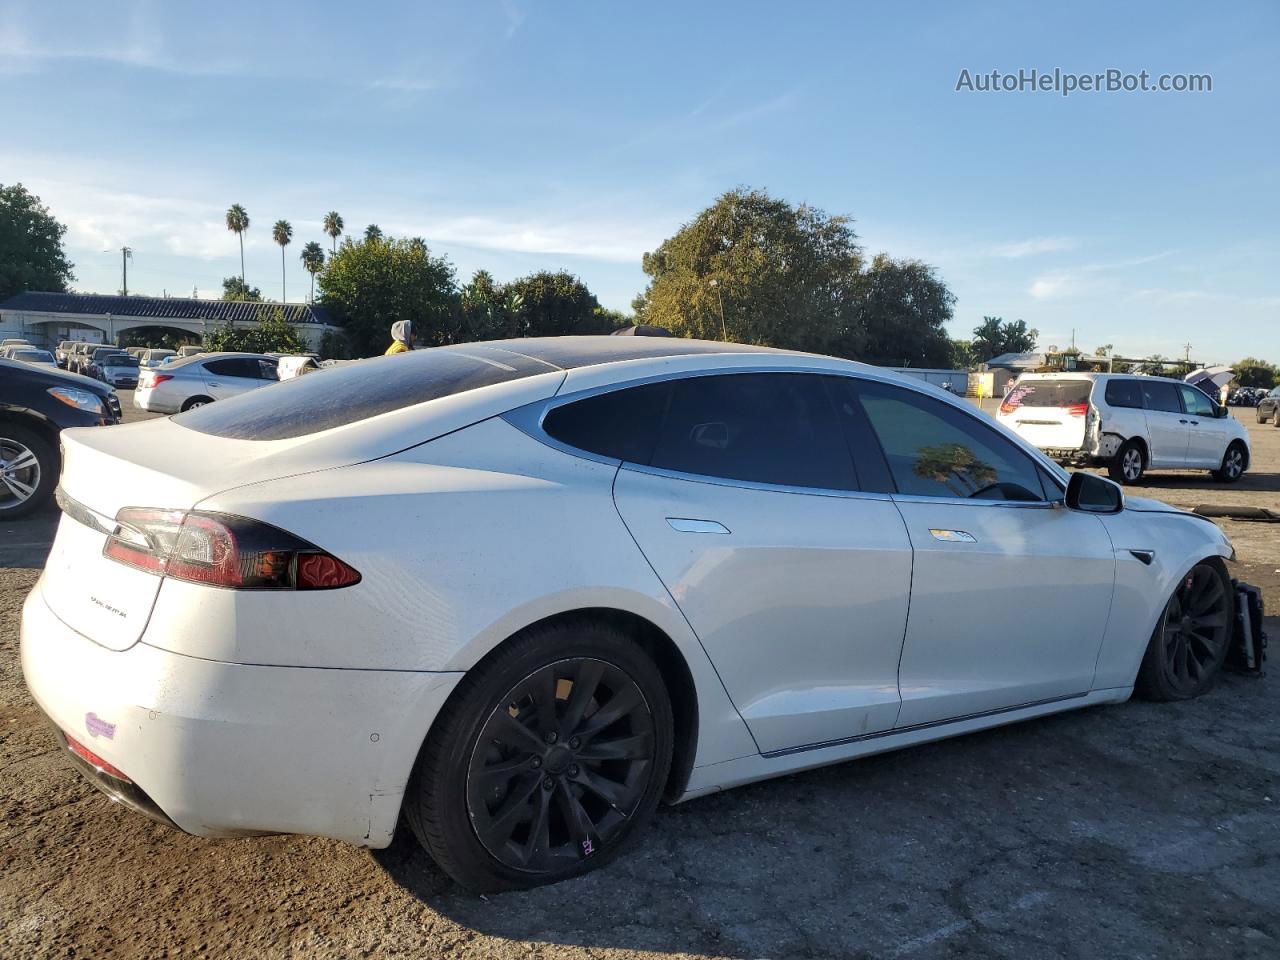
column 1051, row 414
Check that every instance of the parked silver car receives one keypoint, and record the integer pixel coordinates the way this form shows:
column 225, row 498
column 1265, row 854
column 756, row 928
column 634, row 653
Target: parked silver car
column 184, row 384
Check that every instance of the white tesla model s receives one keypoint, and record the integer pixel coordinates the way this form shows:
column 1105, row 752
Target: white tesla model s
column 520, row 591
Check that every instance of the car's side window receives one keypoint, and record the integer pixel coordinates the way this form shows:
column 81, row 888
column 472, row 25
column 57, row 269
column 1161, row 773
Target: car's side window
column 1162, row 396
column 935, row 450
column 776, row 428
column 1197, row 403
column 266, row 370
column 621, row 424
column 222, row 368
column 1124, row 393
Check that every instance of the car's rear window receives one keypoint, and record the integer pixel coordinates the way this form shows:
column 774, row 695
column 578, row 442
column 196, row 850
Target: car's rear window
column 335, row 396
column 120, row 360
column 1049, row 393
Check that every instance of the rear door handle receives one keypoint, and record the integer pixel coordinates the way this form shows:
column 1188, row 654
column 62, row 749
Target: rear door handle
column 689, row 525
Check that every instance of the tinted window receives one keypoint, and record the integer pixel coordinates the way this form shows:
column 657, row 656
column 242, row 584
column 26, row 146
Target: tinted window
column 366, row 388
column 935, row 450
column 1197, row 403
column 1048, row 393
column 1160, row 395
column 622, row 424
column 759, row 427
column 119, row 360
column 247, row 367
column 1124, row 393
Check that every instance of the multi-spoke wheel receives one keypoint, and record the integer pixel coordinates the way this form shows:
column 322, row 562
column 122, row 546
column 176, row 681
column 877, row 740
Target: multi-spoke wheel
column 546, row 760
column 28, row 470
column 1234, row 462
column 1190, row 641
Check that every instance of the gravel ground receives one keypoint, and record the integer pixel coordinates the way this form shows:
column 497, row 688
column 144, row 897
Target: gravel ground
column 1142, row 830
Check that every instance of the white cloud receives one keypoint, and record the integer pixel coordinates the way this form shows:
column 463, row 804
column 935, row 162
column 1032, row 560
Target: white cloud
column 1036, row 245
column 1054, row 286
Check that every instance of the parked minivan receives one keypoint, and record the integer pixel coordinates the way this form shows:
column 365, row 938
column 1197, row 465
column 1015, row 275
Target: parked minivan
column 1128, row 424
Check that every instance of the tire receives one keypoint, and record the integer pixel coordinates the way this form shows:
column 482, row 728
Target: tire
column 497, row 799
column 1234, row 463
column 1129, row 463
column 192, row 402
column 1260, row 415
column 1166, row 673
column 29, row 472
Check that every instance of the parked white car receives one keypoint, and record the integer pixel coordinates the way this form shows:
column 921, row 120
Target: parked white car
column 185, row 384
column 522, row 590
column 33, row 355
column 1128, row 424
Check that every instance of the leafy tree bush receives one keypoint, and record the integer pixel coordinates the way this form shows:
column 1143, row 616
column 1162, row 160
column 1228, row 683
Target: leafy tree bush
column 546, row 304
column 370, row 284
column 31, row 255
column 233, row 288
column 1252, row 372
column 274, row 334
column 901, row 307
column 994, row 336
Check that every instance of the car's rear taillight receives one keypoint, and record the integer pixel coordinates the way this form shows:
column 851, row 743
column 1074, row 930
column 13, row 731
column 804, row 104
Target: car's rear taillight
column 1006, row 407
column 154, row 379
column 1077, row 409
column 223, row 551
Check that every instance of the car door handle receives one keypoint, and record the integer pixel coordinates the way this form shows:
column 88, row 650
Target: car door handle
column 689, row 525
column 953, row 536
column 1146, row 556
column 212, row 383
column 1184, row 421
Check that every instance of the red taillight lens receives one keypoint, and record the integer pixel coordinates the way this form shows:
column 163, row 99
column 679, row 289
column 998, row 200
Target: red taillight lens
column 1078, row 409
column 153, row 379
column 1007, row 407
column 84, row 753
column 222, row 551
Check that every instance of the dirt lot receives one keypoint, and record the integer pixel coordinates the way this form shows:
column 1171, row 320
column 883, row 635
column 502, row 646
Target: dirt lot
column 1142, row 830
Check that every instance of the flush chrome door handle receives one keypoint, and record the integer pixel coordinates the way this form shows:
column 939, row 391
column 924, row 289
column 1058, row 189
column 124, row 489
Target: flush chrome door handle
column 688, row 525
column 953, row 536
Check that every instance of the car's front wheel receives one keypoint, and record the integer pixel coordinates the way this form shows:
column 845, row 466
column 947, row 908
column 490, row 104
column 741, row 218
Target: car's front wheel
column 28, row 470
column 1186, row 651
column 546, row 761
column 1234, row 462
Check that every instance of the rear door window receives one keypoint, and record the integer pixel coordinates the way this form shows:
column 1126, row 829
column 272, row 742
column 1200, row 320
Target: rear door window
column 1161, row 395
column 621, row 424
column 1124, row 393
column 776, row 428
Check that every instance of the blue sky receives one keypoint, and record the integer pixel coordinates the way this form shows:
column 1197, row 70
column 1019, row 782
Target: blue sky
column 517, row 135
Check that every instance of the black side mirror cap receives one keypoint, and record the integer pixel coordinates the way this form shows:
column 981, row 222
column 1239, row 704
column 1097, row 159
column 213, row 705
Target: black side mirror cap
column 1089, row 493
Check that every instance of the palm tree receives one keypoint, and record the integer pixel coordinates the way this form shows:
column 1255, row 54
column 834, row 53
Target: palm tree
column 238, row 223
column 312, row 261
column 372, row 232
column 333, row 227
column 282, row 233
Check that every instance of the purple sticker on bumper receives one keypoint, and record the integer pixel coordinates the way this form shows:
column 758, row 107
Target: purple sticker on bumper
column 98, row 727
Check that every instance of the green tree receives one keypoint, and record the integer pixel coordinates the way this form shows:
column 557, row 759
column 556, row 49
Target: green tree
column 546, row 304
column 483, row 309
column 963, row 356
column 234, row 288
column 369, row 285
column 901, row 308
column 282, row 233
column 312, row 260
column 994, row 336
column 273, row 334
column 238, row 223
column 31, row 254
column 1252, row 372
column 333, row 227
column 757, row 270
column 372, row 233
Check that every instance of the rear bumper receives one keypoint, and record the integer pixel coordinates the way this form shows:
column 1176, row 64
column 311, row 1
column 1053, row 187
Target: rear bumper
column 221, row 749
column 148, row 400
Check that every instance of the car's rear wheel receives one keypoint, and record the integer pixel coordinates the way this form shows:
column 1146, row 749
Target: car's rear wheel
column 1129, row 463
column 28, row 470
column 1190, row 641
column 1262, row 417
column 1233, row 466
column 548, row 759
column 194, row 402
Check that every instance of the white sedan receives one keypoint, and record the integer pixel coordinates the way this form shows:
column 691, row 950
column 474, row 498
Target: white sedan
column 523, row 590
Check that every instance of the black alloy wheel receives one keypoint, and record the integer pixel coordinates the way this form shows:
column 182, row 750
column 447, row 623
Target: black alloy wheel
column 561, row 765
column 1191, row 639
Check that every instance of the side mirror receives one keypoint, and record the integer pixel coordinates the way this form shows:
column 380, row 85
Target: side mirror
column 1090, row 493
column 1222, row 412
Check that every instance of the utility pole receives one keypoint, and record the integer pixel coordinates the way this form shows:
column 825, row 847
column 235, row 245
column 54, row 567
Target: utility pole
column 1187, row 352
column 126, row 254
column 724, row 334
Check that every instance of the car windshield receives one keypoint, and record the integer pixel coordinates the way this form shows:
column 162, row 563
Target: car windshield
column 1049, row 393
column 120, row 360
column 342, row 395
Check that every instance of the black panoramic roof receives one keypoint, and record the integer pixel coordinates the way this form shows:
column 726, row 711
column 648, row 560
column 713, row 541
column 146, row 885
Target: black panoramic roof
column 566, row 353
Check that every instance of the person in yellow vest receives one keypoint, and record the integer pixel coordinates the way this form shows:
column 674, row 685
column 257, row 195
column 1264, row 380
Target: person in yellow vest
column 401, row 337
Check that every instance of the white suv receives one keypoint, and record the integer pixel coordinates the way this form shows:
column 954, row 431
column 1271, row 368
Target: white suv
column 1128, row 424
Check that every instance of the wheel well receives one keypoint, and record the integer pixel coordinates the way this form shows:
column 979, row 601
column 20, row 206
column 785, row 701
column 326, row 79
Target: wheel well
column 40, row 426
column 675, row 672
column 1141, row 444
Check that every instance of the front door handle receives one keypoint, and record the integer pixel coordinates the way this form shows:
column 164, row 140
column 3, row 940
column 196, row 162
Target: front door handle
column 689, row 525
column 953, row 536
column 212, row 383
